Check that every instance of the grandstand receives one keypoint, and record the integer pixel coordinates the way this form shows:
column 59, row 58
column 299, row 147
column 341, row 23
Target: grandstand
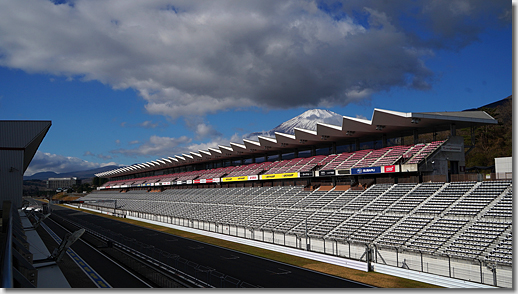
column 319, row 191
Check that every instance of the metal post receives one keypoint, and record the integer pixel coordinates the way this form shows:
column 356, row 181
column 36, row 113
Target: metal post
column 421, row 260
column 397, row 256
column 307, row 245
column 324, row 239
column 494, row 275
column 481, row 276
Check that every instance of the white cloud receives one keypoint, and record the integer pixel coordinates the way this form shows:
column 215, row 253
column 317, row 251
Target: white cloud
column 155, row 146
column 198, row 57
column 43, row 162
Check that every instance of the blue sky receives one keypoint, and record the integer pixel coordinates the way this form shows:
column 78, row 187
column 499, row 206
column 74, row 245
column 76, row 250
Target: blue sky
column 125, row 82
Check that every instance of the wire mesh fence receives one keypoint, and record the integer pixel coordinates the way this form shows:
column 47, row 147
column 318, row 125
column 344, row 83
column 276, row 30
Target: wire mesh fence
column 473, row 270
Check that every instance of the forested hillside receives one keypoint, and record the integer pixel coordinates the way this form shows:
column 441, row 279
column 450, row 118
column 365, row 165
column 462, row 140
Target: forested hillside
column 494, row 140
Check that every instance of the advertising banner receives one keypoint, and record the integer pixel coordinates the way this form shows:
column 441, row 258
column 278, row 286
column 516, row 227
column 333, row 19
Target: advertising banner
column 366, row 170
column 374, row 170
column 235, row 179
column 189, row 182
column 166, row 183
column 324, row 173
column 280, row 176
column 253, row 178
column 389, row 169
column 305, row 174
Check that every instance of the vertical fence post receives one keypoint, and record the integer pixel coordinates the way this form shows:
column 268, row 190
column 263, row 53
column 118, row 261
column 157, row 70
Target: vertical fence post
column 421, row 260
column 397, row 256
column 449, row 265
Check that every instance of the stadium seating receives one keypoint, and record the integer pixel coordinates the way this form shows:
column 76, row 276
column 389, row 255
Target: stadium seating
column 464, row 219
column 362, row 158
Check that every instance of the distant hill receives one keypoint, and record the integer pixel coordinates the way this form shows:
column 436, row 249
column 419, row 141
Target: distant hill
column 84, row 174
column 494, row 104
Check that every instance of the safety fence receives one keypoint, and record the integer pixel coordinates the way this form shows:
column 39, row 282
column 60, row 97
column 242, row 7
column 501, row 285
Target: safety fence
column 474, row 270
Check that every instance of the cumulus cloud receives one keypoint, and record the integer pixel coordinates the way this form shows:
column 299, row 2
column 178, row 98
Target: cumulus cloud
column 145, row 124
column 43, row 162
column 155, row 146
column 188, row 58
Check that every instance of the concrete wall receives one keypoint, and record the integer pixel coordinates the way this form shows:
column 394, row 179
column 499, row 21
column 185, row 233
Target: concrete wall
column 11, row 176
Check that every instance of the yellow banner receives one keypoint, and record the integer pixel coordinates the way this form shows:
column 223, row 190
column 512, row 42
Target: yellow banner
column 280, row 176
column 235, row 179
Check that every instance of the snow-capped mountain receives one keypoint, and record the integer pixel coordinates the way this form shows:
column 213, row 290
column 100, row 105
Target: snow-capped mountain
column 307, row 120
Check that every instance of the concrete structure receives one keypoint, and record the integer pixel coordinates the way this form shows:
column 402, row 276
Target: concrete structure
column 504, row 168
column 62, row 183
column 19, row 141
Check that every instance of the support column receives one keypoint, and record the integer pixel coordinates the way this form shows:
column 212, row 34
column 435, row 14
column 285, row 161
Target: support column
column 296, row 153
column 383, row 140
column 357, row 144
column 333, row 148
column 416, row 136
column 453, row 130
column 472, row 136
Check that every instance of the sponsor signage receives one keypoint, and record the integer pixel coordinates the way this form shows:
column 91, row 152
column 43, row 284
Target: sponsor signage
column 324, row 173
column 389, row 169
column 253, row 178
column 280, row 176
column 178, row 182
column 408, row 168
column 343, row 172
column 235, row 179
column 451, row 148
column 366, row 170
column 166, row 183
column 124, row 186
column 374, row 170
column 189, row 182
column 206, row 181
column 305, row 174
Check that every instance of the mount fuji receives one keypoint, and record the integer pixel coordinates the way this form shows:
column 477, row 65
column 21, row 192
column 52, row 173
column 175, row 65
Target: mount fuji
column 307, row 120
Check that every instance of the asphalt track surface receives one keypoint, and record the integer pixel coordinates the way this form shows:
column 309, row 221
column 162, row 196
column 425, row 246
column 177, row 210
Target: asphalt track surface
column 115, row 275
column 251, row 269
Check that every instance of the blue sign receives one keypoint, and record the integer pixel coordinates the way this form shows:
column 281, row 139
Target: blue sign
column 366, row 170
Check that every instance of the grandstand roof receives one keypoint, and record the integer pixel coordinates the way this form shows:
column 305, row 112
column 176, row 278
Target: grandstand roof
column 388, row 123
column 23, row 135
